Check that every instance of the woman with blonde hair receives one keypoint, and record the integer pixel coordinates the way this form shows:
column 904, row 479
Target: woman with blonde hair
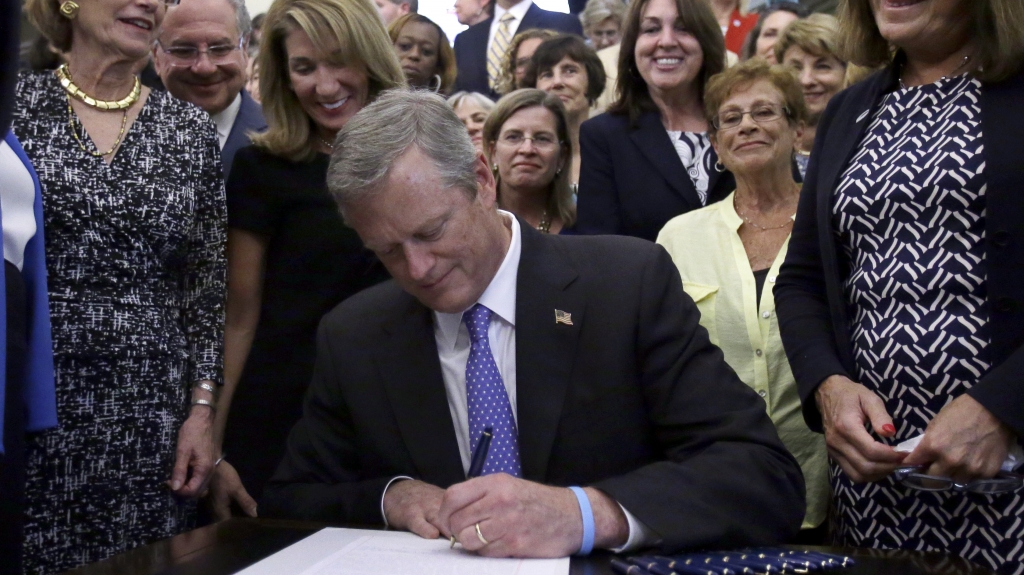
column 517, row 59
column 810, row 48
column 427, row 58
column 528, row 146
column 901, row 297
column 134, row 212
column 472, row 108
column 290, row 256
column 602, row 22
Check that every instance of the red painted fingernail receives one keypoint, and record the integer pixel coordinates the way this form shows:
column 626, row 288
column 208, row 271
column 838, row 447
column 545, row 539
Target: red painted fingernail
column 888, row 428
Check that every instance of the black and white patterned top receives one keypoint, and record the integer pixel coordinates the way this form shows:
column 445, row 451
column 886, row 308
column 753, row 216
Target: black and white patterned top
column 147, row 230
column 909, row 214
column 698, row 157
column 135, row 252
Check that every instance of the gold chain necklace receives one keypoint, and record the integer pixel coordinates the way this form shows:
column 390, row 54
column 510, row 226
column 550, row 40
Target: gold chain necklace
column 755, row 226
column 64, row 76
column 74, row 132
column 544, row 226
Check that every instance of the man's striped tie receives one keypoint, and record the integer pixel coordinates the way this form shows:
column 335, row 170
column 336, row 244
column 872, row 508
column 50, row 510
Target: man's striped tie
column 499, row 46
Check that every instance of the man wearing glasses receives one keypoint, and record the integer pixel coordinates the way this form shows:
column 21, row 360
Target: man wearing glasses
column 201, row 58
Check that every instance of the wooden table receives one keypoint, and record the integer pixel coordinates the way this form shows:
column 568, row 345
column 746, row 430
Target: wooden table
column 233, row 545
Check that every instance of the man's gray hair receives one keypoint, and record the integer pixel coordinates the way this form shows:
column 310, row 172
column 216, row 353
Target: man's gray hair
column 413, row 4
column 242, row 19
column 367, row 147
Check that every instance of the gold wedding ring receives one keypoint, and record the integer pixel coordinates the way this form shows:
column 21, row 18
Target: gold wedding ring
column 452, row 546
column 479, row 535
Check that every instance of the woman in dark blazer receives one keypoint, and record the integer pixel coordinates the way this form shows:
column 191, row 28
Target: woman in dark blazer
column 648, row 159
column 901, row 302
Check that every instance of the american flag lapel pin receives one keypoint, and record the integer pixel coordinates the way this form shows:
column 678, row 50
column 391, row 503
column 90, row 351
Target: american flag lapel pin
column 563, row 317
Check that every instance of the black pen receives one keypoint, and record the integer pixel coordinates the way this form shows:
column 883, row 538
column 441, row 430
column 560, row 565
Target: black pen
column 480, row 455
column 476, row 466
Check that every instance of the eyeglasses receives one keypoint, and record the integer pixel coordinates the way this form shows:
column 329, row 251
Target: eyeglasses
column 543, row 142
column 761, row 115
column 913, row 478
column 187, row 56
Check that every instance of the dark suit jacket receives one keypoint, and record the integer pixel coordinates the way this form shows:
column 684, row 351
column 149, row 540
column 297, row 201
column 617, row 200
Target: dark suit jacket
column 809, row 294
column 632, row 399
column 471, row 46
column 631, row 180
column 249, row 119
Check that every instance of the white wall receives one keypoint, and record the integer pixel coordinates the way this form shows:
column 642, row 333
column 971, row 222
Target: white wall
column 439, row 11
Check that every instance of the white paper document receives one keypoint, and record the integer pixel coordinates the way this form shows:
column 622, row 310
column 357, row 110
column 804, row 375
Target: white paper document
column 362, row 552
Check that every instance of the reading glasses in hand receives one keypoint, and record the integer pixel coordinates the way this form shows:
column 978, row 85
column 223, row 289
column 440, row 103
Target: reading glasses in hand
column 187, row 56
column 914, row 478
column 761, row 114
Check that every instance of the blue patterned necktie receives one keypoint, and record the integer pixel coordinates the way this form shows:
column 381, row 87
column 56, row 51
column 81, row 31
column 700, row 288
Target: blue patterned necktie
column 487, row 400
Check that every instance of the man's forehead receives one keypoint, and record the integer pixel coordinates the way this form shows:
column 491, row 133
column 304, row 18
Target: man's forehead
column 201, row 18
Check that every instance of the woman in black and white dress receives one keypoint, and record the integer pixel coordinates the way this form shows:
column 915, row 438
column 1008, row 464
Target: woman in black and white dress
column 901, row 297
column 134, row 211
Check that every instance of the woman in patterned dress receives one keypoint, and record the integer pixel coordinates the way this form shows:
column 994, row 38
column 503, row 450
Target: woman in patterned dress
column 648, row 158
column 901, row 297
column 135, row 218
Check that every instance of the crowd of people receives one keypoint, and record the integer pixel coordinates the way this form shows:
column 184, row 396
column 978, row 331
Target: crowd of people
column 734, row 273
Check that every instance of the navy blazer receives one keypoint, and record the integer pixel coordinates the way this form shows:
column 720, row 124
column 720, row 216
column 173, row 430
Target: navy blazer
column 471, row 46
column 631, row 179
column 813, row 315
column 249, row 119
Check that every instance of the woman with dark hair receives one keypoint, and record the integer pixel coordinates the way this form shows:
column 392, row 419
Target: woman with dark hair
column 516, row 62
column 773, row 20
column 566, row 67
column 901, row 300
column 527, row 141
column 648, row 159
column 427, row 58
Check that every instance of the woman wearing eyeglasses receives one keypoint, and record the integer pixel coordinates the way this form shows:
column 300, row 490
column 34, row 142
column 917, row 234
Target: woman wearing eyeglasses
column 134, row 213
column 901, row 301
column 528, row 146
column 729, row 253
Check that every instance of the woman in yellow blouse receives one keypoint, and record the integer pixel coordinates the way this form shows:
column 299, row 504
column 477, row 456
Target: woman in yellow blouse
column 729, row 252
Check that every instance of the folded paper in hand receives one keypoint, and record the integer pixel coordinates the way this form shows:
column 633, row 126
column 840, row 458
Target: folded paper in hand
column 1014, row 459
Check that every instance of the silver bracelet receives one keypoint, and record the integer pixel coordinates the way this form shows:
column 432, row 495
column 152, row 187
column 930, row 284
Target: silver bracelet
column 206, row 402
column 207, row 387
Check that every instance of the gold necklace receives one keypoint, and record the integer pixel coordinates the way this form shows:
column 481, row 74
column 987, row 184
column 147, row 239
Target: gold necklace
column 64, row 76
column 74, row 132
column 750, row 223
column 544, row 226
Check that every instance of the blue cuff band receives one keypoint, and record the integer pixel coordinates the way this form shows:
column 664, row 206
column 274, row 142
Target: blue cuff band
column 588, row 520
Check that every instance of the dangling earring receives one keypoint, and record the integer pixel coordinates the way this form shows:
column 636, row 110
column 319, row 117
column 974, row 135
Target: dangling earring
column 719, row 167
column 431, row 86
column 68, row 9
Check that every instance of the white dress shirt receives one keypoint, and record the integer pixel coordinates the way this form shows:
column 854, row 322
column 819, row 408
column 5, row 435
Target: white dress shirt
column 453, row 344
column 519, row 10
column 17, row 197
column 225, row 119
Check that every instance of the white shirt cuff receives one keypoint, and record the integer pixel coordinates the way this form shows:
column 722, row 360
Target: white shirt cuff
column 640, row 535
column 401, row 477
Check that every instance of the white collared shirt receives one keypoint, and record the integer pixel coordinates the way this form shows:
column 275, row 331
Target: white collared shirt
column 17, row 202
column 453, row 345
column 225, row 119
column 519, row 11
column 452, row 337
